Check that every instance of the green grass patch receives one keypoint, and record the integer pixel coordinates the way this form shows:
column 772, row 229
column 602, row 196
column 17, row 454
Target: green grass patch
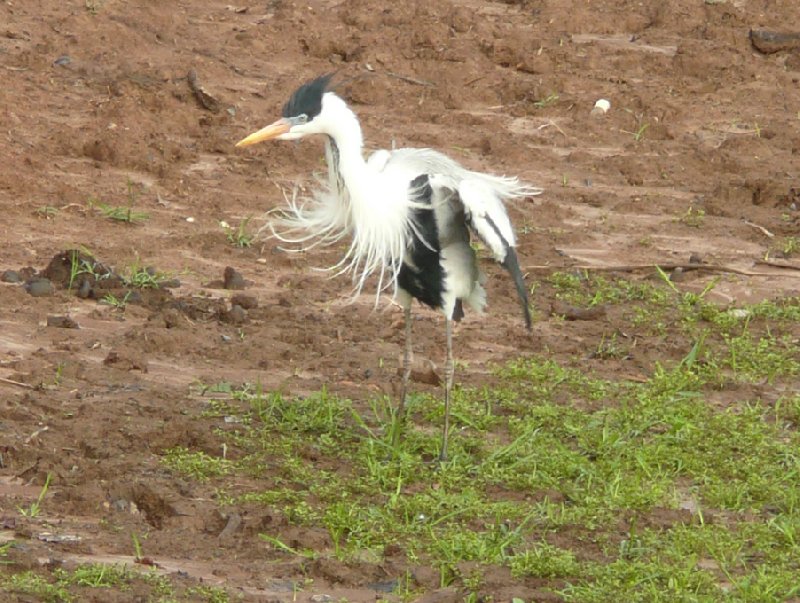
column 91, row 581
column 683, row 485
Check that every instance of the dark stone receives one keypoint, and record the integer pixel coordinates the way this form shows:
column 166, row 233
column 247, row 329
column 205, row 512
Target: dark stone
column 61, row 322
column 39, row 287
column 248, row 302
column 10, row 276
column 172, row 283
column 236, row 315
column 85, row 289
column 233, row 279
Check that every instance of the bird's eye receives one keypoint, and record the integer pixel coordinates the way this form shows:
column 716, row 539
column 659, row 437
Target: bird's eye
column 302, row 118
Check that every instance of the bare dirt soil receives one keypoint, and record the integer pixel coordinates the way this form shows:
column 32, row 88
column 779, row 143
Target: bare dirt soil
column 699, row 155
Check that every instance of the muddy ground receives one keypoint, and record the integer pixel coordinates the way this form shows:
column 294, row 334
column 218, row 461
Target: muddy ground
column 698, row 155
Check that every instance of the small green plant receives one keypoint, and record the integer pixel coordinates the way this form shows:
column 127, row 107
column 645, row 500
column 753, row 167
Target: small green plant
column 544, row 561
column 610, row 348
column 211, row 594
column 693, row 217
column 144, row 277
column 59, row 374
column 137, row 547
column 199, row 465
column 31, row 583
column 82, row 262
column 547, row 101
column 791, row 245
column 46, row 211
column 119, row 213
column 640, row 125
column 281, row 546
column 93, row 6
column 97, row 575
column 36, row 506
column 115, row 302
column 238, row 236
column 4, row 548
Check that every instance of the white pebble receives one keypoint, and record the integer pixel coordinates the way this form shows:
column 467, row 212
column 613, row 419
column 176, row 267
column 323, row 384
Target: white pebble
column 601, row 107
column 190, row 219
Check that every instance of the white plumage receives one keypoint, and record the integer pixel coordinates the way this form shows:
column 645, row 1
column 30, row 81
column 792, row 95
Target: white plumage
column 408, row 214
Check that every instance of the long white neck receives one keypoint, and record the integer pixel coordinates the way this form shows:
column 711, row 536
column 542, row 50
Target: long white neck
column 364, row 203
column 344, row 148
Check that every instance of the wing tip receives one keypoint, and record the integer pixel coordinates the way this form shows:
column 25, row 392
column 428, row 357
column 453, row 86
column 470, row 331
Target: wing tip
column 511, row 263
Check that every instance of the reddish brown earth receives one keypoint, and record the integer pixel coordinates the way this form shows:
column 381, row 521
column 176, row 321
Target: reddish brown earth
column 95, row 94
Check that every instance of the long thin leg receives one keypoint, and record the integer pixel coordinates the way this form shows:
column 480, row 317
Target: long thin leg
column 401, row 407
column 449, row 370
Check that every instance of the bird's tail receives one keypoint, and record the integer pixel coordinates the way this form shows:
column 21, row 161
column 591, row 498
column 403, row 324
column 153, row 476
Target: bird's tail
column 511, row 263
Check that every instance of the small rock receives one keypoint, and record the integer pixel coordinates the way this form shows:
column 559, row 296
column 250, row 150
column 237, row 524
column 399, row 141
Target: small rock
column 62, row 60
column 601, row 107
column 58, row 538
column 10, row 276
column 134, row 296
column 40, row 287
column 677, row 275
column 695, row 259
column 248, row 302
column 769, row 42
column 172, row 318
column 172, row 283
column 236, row 315
column 423, row 370
column 234, row 521
column 232, row 279
column 126, row 362
column 386, row 586
column 61, row 322
column 85, row 289
column 320, row 598
column 120, row 504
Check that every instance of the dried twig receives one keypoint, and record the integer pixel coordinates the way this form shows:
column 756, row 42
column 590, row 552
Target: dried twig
column 779, row 264
column 411, row 80
column 17, row 383
column 554, row 125
column 473, row 80
column 759, row 227
column 36, row 434
column 635, row 267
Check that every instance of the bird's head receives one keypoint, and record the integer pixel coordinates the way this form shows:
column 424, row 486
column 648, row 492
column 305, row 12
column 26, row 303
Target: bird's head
column 304, row 114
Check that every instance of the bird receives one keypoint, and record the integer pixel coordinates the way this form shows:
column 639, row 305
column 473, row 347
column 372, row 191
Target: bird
column 410, row 215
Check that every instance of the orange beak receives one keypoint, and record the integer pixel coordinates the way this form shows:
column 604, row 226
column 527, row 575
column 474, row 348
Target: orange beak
column 282, row 126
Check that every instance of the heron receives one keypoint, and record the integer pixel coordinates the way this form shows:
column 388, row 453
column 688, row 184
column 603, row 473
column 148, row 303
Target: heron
column 409, row 214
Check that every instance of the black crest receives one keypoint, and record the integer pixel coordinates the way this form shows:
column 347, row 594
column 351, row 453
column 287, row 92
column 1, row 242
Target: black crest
column 307, row 99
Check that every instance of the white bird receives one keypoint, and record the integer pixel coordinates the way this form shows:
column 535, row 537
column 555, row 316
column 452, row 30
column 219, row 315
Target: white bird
column 409, row 214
